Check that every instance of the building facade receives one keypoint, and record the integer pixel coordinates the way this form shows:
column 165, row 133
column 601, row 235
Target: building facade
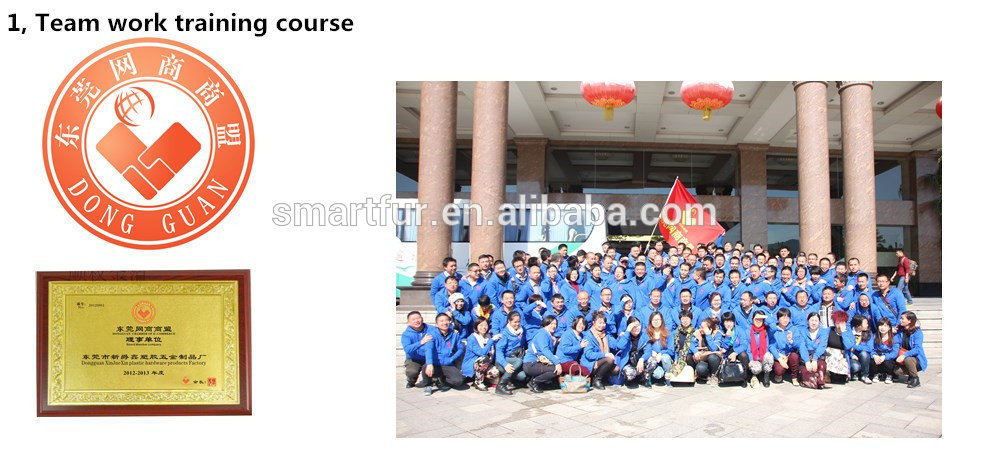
column 849, row 167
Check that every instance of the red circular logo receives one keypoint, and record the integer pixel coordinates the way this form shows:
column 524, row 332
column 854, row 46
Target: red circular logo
column 143, row 312
column 148, row 143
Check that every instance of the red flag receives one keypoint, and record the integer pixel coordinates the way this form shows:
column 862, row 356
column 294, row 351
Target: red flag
column 693, row 227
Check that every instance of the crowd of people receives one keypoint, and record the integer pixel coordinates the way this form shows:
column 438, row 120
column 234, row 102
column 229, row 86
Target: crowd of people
column 662, row 315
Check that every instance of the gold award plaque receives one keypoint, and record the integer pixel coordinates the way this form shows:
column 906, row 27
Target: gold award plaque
column 143, row 343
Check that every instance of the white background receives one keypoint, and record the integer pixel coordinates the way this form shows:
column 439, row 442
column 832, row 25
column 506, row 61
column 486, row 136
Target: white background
column 323, row 114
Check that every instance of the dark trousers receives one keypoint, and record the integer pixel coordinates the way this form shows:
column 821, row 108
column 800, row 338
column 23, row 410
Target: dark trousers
column 413, row 369
column 813, row 379
column 910, row 366
column 744, row 359
column 886, row 367
column 707, row 366
column 448, row 374
column 603, row 369
column 541, row 373
column 793, row 364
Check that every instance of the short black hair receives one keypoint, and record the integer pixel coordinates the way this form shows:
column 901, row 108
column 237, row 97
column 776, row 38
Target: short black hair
column 413, row 313
column 562, row 246
column 447, row 260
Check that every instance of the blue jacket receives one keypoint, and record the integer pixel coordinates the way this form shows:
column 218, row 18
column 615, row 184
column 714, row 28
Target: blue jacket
column 672, row 293
column 441, row 302
column 812, row 348
column 737, row 341
column 593, row 352
column 507, row 344
column 916, row 342
column 621, row 288
column 471, row 293
column 500, row 317
column 671, row 317
column 779, row 345
column 595, row 287
column 771, row 319
column 465, row 319
column 888, row 351
column 494, row 287
column 732, row 295
column 871, row 314
column 564, row 321
column 472, row 352
column 896, row 300
column 563, row 288
column 644, row 313
column 744, row 320
column 799, row 316
column 845, row 298
column 672, row 344
column 569, row 348
column 705, row 291
column 445, row 349
column 642, row 289
column 526, row 290
column 411, row 346
column 440, row 280
column 862, row 346
column 541, row 344
column 622, row 353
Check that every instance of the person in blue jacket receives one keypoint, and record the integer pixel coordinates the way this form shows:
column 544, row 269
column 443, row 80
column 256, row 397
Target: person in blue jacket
column 473, row 285
column 887, row 298
column 620, row 319
column 540, row 362
column 555, row 285
column 598, row 356
column 449, row 270
column 844, row 297
column 886, row 346
column 463, row 320
column 854, row 271
column 658, row 354
column 570, row 347
column 784, row 345
column 500, row 282
column 734, row 340
column 861, row 351
column 631, row 356
column 501, row 315
column 744, row 312
column 735, row 290
column 415, row 338
column 801, row 309
column 559, row 311
column 811, row 349
column 771, row 304
column 655, row 304
column 532, row 285
column 478, row 345
column 442, row 299
column 643, row 283
column 862, row 285
column 911, row 353
column 621, row 285
column 671, row 315
column 583, row 307
column 684, row 281
column 534, row 315
column 715, row 309
column 509, row 352
column 443, row 356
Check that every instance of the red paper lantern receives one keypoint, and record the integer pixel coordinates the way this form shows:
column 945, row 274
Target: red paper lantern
column 938, row 108
column 706, row 96
column 608, row 95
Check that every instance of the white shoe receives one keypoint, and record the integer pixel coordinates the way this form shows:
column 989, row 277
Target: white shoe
column 889, row 380
column 866, row 380
column 428, row 391
column 873, row 379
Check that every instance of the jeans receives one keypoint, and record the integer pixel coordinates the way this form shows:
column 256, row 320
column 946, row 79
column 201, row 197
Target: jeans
column 517, row 370
column 861, row 367
column 706, row 367
column 903, row 286
column 664, row 366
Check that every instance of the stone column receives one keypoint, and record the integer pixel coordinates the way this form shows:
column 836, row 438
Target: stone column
column 859, row 197
column 488, row 149
column 437, row 148
column 815, row 222
column 928, row 252
column 531, row 166
column 753, row 193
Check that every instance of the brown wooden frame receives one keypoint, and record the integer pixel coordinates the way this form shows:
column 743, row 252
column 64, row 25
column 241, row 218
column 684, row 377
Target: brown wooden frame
column 243, row 277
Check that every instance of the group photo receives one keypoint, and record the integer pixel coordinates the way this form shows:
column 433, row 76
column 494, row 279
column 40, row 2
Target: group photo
column 789, row 280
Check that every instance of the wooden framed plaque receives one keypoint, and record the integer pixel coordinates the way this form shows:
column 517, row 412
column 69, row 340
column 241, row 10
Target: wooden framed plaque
column 144, row 343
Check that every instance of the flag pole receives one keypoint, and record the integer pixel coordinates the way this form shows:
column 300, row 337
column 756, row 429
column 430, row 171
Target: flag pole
column 657, row 226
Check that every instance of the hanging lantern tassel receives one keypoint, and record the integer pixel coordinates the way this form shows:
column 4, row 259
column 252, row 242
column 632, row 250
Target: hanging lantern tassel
column 608, row 95
column 706, row 96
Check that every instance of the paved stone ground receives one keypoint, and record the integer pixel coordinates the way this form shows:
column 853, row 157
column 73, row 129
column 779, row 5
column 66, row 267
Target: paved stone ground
column 783, row 410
